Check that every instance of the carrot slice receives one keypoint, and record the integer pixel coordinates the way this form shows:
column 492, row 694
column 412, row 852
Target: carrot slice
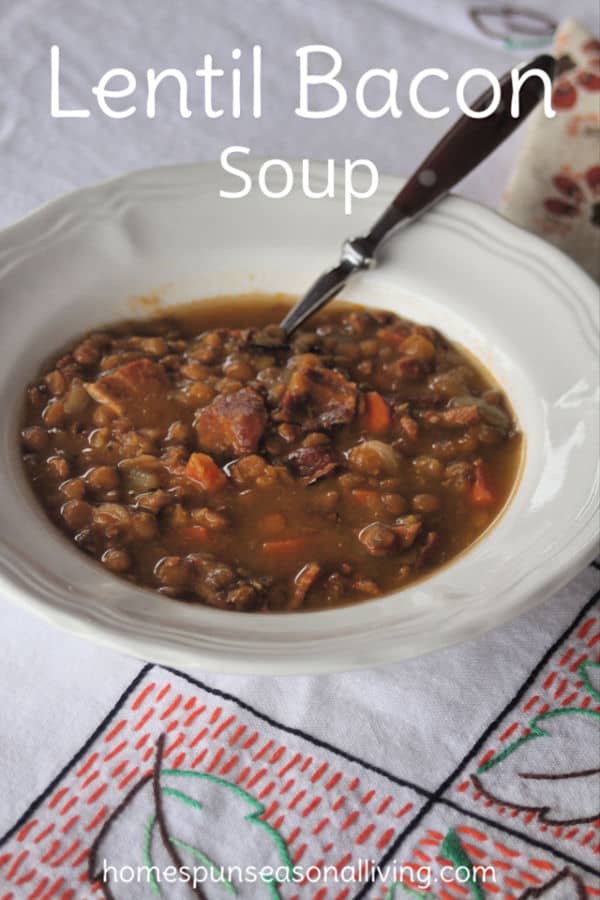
column 284, row 547
column 202, row 469
column 395, row 338
column 481, row 490
column 377, row 417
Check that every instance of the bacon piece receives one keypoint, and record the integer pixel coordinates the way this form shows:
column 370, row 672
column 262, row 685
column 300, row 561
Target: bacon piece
column 129, row 386
column 317, row 397
column 457, row 417
column 407, row 530
column 303, row 582
column 315, row 462
column 233, row 424
column 408, row 435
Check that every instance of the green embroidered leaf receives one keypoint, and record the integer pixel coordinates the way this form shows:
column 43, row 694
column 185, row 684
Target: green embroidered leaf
column 186, row 822
column 197, row 854
column 452, row 850
column 247, row 807
column 553, row 770
column 590, row 676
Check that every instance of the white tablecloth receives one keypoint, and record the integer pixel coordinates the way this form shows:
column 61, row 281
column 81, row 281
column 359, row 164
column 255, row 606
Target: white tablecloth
column 382, row 764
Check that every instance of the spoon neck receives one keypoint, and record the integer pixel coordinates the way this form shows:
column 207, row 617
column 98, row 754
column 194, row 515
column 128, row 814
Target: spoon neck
column 357, row 253
column 391, row 218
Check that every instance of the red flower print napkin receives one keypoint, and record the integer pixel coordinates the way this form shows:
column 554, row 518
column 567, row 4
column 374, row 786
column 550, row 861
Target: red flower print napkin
column 555, row 186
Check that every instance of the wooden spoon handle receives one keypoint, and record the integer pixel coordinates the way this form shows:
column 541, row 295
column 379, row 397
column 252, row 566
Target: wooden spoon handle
column 464, row 147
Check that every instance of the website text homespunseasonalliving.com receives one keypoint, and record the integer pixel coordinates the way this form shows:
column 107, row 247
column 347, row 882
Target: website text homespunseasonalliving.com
column 422, row 877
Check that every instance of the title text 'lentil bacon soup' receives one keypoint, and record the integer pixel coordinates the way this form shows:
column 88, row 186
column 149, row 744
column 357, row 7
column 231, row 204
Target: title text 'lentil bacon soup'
column 201, row 455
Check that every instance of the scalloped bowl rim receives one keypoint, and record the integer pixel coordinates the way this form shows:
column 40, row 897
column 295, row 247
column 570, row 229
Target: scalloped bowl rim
column 398, row 625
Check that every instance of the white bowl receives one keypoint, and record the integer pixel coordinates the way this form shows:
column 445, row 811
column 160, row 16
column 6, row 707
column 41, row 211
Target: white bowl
column 523, row 308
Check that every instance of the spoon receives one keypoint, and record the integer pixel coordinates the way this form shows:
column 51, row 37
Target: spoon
column 462, row 148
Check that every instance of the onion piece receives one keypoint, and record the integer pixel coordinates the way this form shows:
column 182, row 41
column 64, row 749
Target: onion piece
column 374, row 458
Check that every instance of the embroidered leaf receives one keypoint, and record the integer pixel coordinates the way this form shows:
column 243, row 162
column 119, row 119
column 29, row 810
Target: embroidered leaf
column 185, row 822
column 590, row 675
column 452, row 850
column 564, row 886
column 553, row 770
column 208, row 863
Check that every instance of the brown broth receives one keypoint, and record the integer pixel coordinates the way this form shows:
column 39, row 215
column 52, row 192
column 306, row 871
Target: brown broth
column 419, row 446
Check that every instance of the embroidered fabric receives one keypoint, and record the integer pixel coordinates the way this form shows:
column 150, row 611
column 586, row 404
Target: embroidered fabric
column 482, row 754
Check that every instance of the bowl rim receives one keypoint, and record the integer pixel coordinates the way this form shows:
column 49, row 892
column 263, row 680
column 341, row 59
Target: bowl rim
column 522, row 244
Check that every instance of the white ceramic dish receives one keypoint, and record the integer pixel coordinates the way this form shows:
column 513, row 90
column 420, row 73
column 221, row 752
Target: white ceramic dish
column 522, row 307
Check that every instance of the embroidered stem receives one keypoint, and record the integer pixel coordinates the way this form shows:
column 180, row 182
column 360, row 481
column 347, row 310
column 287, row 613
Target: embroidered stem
column 93, row 874
column 160, row 817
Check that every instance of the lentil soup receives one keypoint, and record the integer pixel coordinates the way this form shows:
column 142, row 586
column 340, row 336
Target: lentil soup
column 198, row 453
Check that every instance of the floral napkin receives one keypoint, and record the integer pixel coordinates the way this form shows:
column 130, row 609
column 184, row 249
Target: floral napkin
column 554, row 189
